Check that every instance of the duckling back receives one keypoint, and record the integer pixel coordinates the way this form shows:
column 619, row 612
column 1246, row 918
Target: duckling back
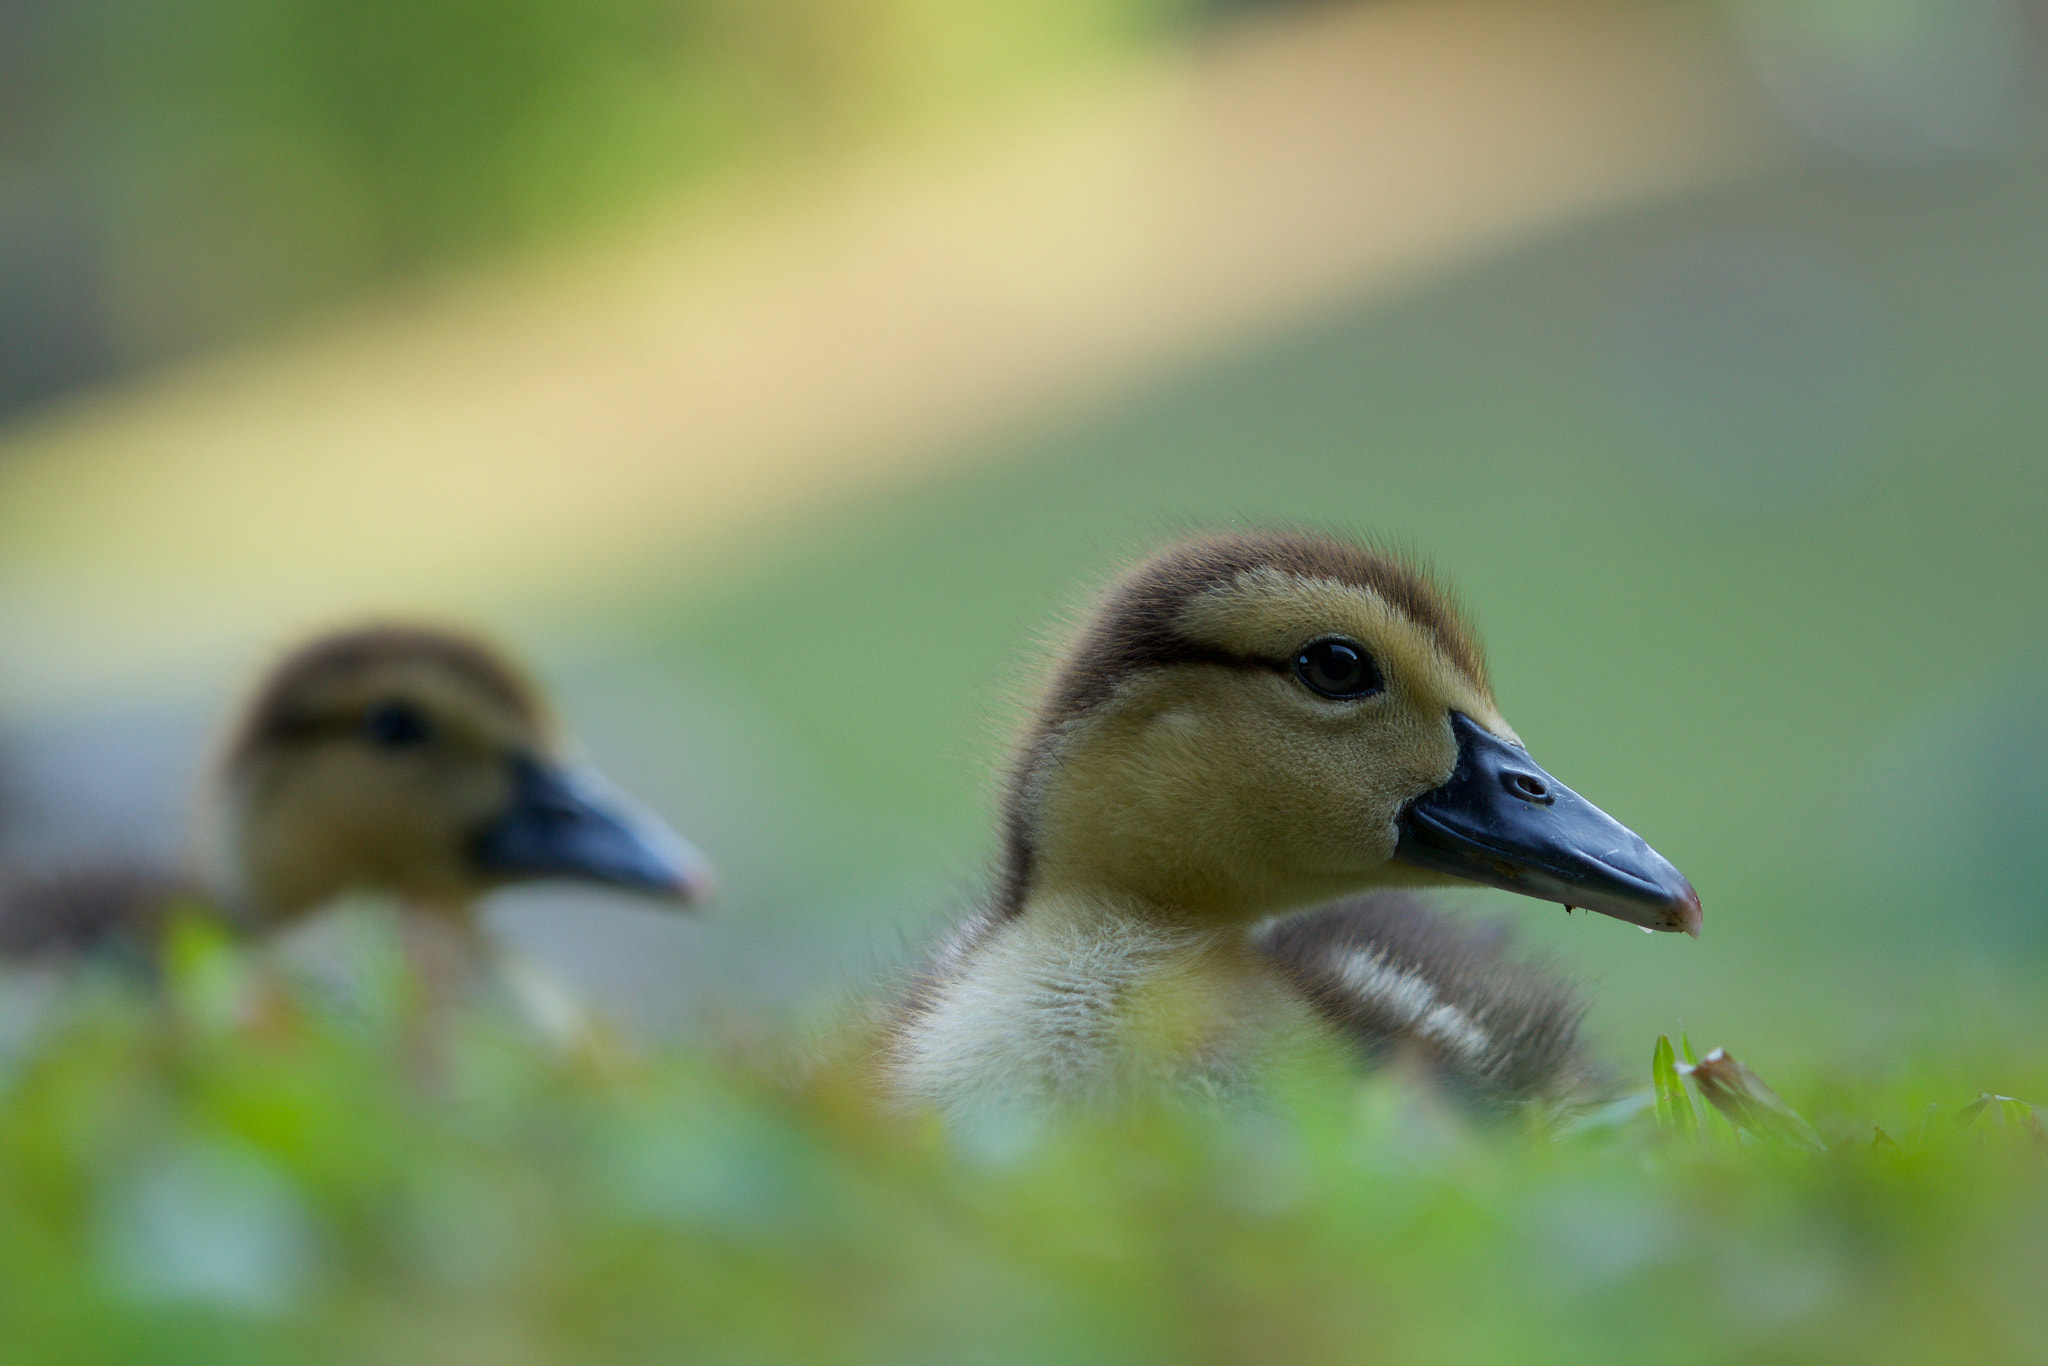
column 114, row 914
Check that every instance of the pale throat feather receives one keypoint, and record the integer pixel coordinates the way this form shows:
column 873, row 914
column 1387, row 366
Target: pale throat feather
column 1079, row 1001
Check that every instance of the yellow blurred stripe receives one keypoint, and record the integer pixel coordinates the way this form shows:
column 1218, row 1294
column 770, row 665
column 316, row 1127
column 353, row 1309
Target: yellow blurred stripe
column 543, row 435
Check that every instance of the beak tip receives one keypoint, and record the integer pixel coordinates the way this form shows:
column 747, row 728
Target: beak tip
column 692, row 880
column 694, row 886
column 1689, row 912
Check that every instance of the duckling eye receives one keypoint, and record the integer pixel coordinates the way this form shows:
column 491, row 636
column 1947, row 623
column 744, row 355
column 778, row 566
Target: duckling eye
column 394, row 725
column 1338, row 668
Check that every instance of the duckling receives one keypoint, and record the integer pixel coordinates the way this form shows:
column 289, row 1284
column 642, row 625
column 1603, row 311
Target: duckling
column 404, row 760
column 1247, row 727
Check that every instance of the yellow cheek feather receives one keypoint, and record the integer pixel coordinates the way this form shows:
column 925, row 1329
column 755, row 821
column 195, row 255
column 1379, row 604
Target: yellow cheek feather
column 1215, row 786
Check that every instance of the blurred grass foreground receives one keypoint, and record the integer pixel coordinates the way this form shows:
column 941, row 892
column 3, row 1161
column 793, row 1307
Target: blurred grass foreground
column 778, row 373
column 235, row 1175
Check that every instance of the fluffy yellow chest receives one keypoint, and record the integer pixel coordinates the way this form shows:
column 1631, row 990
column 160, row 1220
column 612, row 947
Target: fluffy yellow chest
column 1080, row 1005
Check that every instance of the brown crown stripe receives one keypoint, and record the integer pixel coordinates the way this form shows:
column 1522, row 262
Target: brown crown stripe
column 279, row 712
column 1136, row 627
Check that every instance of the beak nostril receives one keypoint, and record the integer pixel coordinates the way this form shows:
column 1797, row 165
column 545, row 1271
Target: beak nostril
column 1527, row 786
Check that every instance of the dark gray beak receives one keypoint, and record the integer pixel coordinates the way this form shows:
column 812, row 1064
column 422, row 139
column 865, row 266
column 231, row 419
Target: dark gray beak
column 1501, row 821
column 566, row 823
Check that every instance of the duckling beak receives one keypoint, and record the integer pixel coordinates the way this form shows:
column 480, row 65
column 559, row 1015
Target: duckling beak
column 1501, row 821
column 571, row 823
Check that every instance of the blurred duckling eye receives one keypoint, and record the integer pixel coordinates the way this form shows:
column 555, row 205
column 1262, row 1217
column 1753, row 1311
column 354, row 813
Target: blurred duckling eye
column 1338, row 668
column 395, row 725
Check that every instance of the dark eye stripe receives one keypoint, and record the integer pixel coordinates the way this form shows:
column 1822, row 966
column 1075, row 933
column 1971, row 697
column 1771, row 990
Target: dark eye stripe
column 1185, row 652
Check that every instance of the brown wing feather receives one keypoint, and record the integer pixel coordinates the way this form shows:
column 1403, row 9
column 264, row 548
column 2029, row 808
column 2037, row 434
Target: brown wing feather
column 116, row 913
column 1530, row 1017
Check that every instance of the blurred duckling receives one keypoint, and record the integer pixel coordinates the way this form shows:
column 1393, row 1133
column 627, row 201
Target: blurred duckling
column 1247, row 727
column 405, row 761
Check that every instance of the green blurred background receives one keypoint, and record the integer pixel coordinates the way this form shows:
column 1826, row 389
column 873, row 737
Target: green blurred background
column 1740, row 467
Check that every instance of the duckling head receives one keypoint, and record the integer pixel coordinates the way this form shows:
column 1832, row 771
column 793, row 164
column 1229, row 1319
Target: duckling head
column 1252, row 724
column 420, row 763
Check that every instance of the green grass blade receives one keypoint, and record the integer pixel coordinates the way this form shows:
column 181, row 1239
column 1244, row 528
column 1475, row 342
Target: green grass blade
column 1674, row 1108
column 2012, row 1116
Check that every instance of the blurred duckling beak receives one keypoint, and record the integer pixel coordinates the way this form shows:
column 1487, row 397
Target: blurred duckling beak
column 571, row 823
column 1501, row 821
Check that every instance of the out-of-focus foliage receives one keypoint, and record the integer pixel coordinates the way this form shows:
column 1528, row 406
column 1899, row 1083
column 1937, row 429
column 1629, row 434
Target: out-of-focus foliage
column 241, row 1174
column 172, row 175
